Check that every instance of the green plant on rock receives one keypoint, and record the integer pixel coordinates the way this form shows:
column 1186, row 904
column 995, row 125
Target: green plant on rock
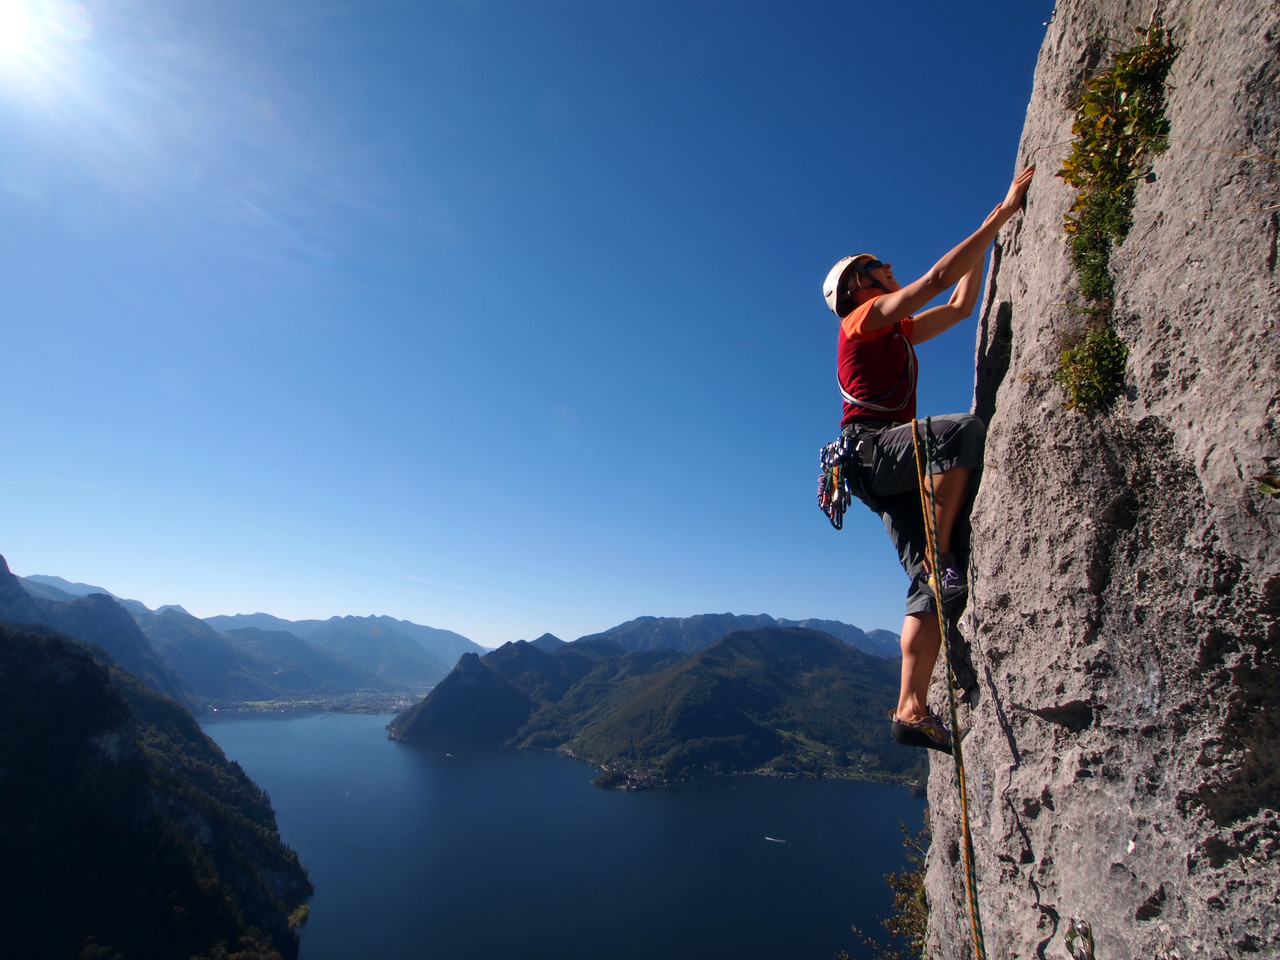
column 1101, row 224
column 1120, row 125
column 1091, row 366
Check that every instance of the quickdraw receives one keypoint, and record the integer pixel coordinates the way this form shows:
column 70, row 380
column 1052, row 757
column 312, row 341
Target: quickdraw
column 838, row 460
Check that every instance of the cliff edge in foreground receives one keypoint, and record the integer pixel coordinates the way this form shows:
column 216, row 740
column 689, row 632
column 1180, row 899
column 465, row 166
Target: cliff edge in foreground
column 125, row 830
column 1124, row 758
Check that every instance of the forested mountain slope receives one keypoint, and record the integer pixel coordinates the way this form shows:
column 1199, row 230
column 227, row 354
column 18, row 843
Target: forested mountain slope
column 775, row 700
column 126, row 831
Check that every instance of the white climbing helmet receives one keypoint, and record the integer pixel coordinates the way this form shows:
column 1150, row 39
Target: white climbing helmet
column 831, row 286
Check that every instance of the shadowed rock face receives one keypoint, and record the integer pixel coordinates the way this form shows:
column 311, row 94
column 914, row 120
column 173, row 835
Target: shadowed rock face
column 1124, row 759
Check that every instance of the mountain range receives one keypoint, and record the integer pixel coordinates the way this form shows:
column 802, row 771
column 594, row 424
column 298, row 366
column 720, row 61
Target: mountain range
column 655, row 698
column 259, row 661
column 779, row 700
column 691, row 634
column 244, row 661
column 96, row 619
column 252, row 666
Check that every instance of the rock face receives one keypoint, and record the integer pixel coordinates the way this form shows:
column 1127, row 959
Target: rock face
column 1123, row 760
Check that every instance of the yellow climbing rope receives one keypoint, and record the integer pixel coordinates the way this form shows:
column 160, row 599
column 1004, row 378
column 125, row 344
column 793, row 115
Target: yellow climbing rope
column 924, row 452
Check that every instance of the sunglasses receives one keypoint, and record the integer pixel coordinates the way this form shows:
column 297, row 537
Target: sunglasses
column 860, row 266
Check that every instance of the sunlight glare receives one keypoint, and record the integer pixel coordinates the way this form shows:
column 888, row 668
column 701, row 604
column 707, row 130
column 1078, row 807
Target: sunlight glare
column 28, row 27
column 72, row 20
column 16, row 23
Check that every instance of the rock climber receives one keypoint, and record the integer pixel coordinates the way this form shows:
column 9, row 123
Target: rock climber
column 876, row 364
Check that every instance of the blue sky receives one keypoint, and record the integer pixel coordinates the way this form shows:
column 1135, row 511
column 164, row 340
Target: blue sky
column 502, row 317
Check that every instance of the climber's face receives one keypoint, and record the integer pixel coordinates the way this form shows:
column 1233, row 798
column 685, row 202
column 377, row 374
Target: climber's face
column 881, row 273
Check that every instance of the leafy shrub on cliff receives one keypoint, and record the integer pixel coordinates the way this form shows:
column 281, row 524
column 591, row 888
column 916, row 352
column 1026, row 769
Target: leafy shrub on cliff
column 1120, row 125
column 1091, row 365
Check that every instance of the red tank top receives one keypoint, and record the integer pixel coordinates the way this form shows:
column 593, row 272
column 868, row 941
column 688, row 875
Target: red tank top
column 877, row 369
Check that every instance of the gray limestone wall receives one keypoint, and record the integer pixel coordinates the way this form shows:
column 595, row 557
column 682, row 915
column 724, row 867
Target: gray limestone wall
column 1123, row 756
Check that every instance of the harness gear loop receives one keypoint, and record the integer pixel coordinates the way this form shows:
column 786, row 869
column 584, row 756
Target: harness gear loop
column 833, row 479
column 925, row 450
column 841, row 477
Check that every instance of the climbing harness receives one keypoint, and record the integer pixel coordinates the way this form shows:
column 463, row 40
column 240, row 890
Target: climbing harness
column 925, row 451
column 840, row 480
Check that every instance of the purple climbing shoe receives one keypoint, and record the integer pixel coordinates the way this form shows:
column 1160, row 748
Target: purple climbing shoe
column 951, row 586
column 930, row 732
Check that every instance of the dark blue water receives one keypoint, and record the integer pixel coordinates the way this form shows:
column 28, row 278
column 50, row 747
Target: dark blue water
column 419, row 855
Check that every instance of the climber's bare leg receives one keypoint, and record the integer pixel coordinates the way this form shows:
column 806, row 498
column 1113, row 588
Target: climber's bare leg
column 950, row 490
column 920, row 644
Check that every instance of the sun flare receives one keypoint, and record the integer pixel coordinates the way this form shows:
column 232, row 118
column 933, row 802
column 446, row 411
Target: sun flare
column 16, row 27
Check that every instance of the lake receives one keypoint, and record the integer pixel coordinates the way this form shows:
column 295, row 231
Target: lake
column 465, row 853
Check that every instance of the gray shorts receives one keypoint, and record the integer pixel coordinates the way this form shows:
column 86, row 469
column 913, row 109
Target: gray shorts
column 891, row 488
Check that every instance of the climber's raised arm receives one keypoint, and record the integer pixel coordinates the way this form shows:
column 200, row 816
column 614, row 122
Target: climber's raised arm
column 900, row 302
column 929, row 323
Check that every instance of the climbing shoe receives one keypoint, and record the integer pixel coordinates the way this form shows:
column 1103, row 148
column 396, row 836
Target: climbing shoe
column 951, row 586
column 930, row 732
